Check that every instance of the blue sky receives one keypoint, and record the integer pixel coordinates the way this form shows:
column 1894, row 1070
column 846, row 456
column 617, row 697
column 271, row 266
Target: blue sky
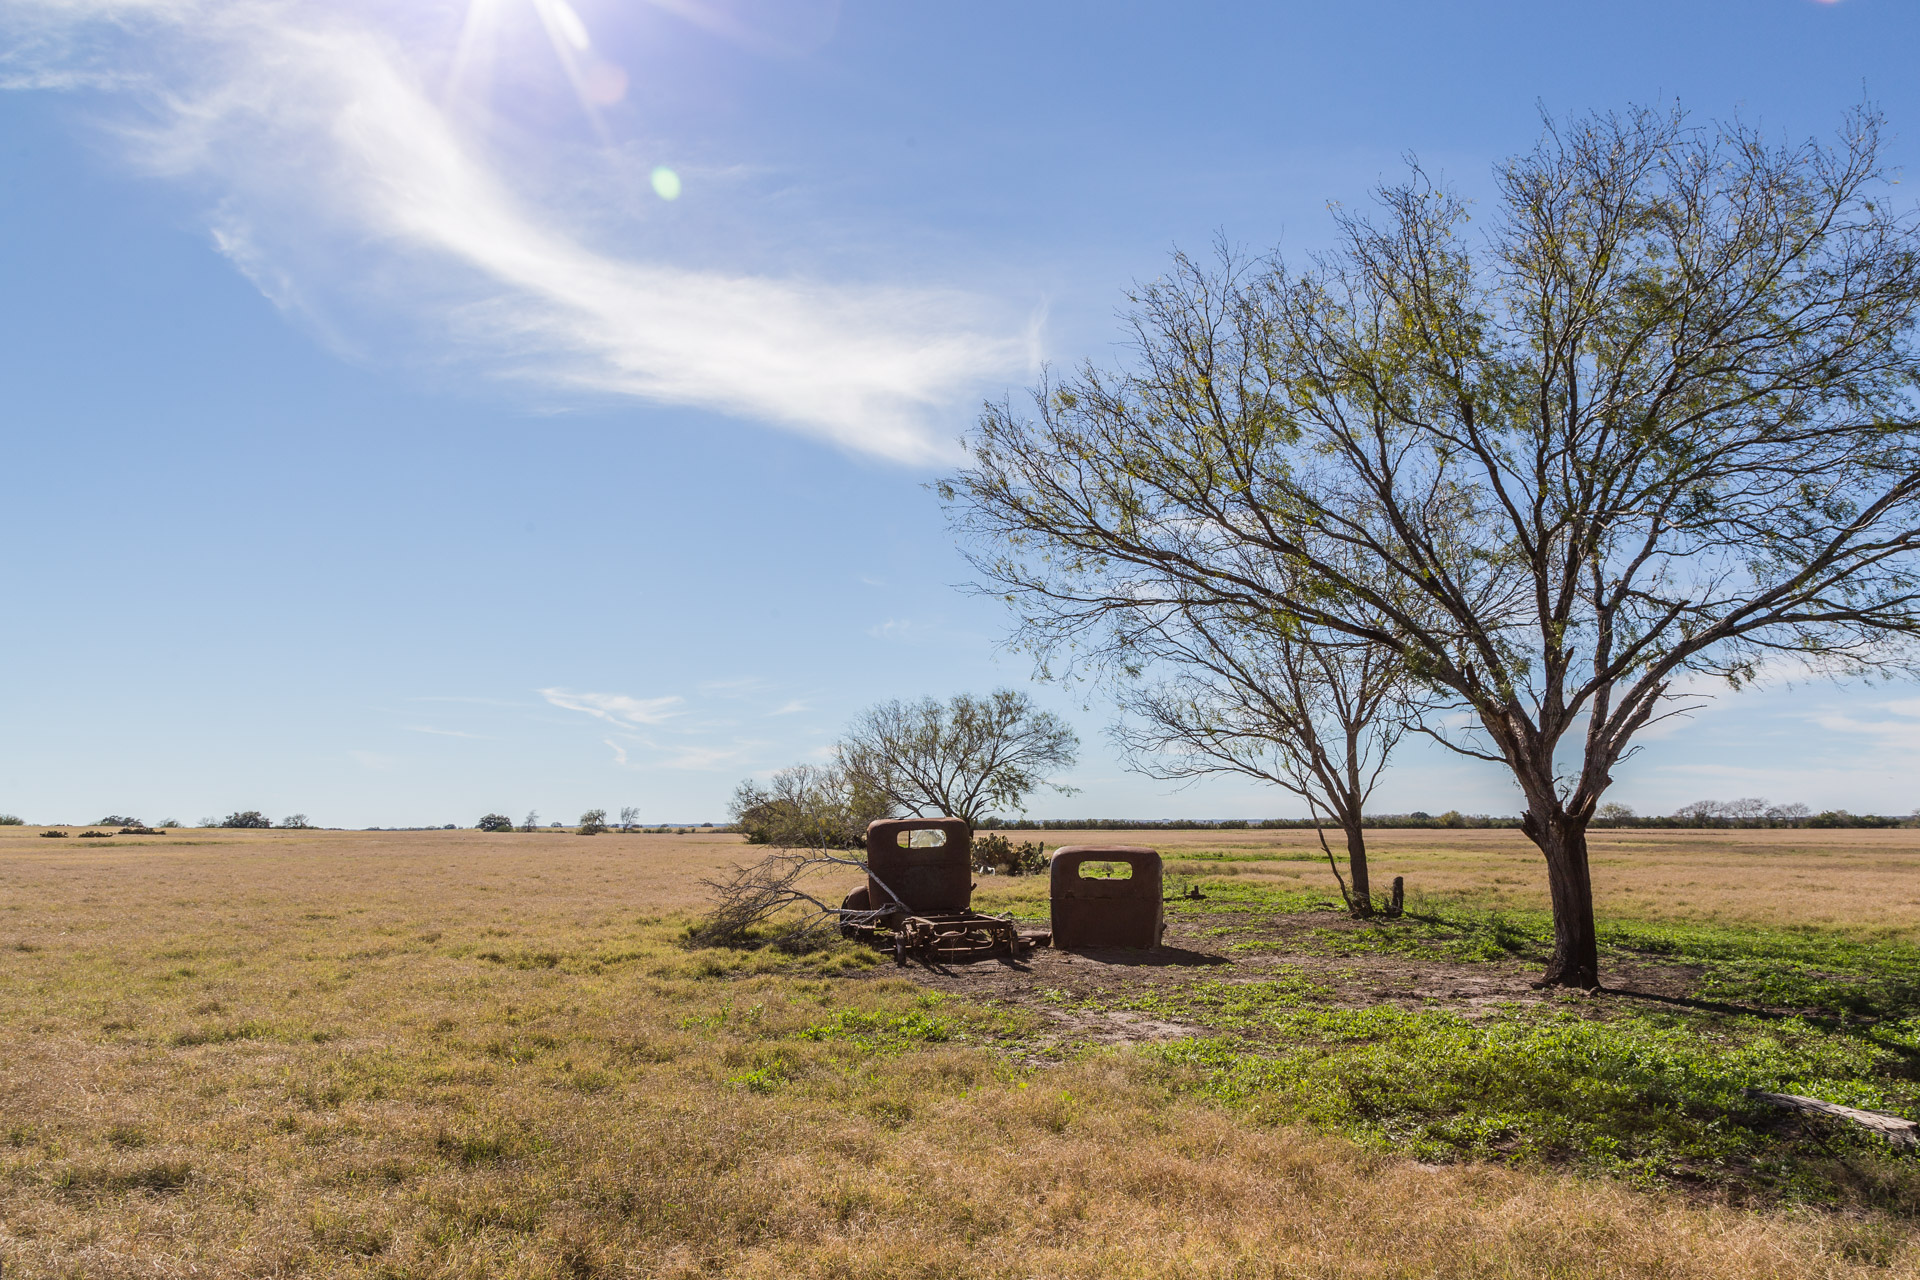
column 382, row 445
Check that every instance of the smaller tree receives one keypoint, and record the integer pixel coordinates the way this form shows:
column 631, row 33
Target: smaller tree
column 1313, row 712
column 966, row 758
column 248, row 819
column 11, row 820
column 532, row 822
column 118, row 820
column 593, row 822
column 496, row 822
column 807, row 807
column 629, row 818
column 298, row 822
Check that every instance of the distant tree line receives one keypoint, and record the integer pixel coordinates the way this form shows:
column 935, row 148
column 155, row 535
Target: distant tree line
column 1371, row 821
column 1737, row 814
column 252, row 819
column 592, row 823
column 1749, row 812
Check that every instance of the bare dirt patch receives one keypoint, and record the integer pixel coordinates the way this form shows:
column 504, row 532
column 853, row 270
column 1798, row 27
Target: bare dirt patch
column 1071, row 990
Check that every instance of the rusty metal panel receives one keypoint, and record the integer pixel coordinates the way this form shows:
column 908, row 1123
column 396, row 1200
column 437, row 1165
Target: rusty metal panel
column 1106, row 913
column 939, row 878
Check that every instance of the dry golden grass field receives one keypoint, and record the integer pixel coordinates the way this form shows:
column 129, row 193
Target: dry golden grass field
column 449, row 1054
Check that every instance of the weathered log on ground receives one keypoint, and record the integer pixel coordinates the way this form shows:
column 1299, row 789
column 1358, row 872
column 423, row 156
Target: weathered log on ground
column 1897, row 1130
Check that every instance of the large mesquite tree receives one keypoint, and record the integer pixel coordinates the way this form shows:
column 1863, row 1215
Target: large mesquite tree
column 1656, row 415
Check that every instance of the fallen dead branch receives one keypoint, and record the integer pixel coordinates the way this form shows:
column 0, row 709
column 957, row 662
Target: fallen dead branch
column 1897, row 1130
column 751, row 897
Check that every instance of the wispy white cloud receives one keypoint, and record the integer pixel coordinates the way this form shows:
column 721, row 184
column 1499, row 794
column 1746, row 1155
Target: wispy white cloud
column 668, row 732
column 616, row 708
column 684, row 756
column 899, row 629
column 1901, row 734
column 698, row 759
column 443, row 733
column 343, row 184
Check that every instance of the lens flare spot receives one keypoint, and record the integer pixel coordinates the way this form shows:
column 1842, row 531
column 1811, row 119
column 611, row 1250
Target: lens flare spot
column 666, row 183
column 603, row 83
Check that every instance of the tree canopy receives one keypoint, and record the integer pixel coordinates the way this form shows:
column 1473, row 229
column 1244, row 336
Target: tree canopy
column 807, row 806
column 1652, row 416
column 967, row 757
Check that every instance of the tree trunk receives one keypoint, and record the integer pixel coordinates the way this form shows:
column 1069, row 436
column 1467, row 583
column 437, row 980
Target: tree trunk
column 1576, row 946
column 1357, row 864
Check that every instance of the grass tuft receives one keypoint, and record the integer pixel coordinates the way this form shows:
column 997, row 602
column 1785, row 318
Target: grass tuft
column 225, row 1033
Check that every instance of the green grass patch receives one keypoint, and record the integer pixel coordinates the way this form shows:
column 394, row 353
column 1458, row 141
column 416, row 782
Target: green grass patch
column 882, row 1032
column 766, row 1076
column 1784, row 968
column 1650, row 1097
column 1230, row 856
column 1245, row 896
column 1805, row 970
column 1651, row 1093
column 1246, row 1008
column 1455, row 933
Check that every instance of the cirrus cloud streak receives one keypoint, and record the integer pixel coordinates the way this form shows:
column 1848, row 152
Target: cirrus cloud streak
column 342, row 183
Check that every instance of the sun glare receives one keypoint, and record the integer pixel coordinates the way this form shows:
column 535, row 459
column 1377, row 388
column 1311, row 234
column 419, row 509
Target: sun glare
column 597, row 81
column 564, row 24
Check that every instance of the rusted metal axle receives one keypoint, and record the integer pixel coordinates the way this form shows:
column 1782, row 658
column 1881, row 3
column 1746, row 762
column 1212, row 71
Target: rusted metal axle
column 936, row 937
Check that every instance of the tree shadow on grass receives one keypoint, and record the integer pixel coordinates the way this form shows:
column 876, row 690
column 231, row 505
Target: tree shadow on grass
column 1119, row 957
column 1701, row 1004
column 1858, row 1029
column 1157, row 958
